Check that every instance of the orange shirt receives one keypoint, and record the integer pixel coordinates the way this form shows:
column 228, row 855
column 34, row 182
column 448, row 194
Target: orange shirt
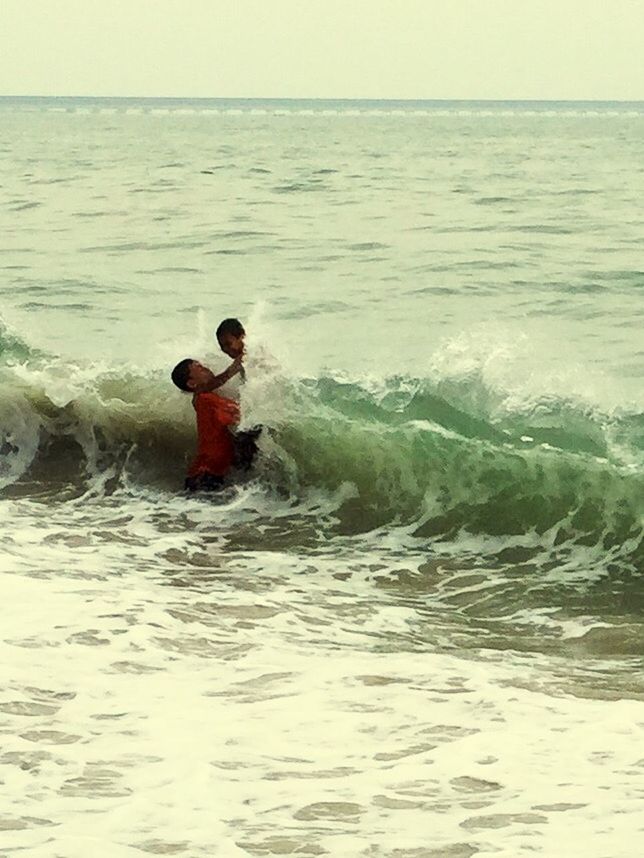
column 215, row 451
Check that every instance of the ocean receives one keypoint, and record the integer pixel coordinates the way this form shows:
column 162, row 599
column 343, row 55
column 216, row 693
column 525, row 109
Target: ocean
column 415, row 630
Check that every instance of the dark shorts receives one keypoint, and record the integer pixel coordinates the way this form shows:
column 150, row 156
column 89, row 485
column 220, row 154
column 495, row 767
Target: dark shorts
column 204, row 483
column 246, row 447
column 245, row 451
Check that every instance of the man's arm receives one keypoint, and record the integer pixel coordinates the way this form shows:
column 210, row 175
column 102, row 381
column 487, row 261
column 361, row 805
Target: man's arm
column 218, row 380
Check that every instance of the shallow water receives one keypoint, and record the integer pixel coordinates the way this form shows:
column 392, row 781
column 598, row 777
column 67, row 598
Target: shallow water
column 417, row 629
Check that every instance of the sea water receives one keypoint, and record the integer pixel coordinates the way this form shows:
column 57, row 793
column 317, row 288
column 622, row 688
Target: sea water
column 416, row 628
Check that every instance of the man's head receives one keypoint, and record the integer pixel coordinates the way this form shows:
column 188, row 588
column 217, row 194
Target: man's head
column 191, row 376
column 230, row 336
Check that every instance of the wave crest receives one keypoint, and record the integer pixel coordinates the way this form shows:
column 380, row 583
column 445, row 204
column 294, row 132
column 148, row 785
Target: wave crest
column 415, row 454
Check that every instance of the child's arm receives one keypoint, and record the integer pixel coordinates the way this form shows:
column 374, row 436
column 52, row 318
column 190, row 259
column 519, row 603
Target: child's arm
column 218, row 380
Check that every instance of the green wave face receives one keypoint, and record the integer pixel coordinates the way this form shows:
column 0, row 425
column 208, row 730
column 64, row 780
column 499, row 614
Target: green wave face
column 427, row 462
column 13, row 348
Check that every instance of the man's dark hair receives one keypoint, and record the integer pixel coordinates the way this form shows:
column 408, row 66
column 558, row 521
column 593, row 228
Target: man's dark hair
column 181, row 373
column 230, row 326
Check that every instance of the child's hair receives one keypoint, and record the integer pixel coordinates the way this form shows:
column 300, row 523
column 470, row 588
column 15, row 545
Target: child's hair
column 230, row 326
column 181, row 373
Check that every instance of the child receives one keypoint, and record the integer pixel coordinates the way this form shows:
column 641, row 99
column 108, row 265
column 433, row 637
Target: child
column 230, row 336
column 215, row 417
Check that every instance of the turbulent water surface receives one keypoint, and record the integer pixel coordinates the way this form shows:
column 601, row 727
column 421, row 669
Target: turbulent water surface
column 416, row 629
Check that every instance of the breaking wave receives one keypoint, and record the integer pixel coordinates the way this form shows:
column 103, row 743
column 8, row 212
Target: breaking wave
column 431, row 455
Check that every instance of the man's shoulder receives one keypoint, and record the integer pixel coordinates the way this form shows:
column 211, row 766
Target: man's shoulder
column 204, row 397
column 211, row 398
column 203, row 401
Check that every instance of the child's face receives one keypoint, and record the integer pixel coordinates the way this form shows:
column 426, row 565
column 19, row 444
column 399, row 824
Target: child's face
column 232, row 345
column 199, row 376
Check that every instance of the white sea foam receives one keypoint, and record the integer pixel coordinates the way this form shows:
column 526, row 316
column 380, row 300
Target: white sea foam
column 228, row 713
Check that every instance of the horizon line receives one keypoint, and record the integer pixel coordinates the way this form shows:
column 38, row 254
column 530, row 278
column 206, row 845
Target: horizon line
column 333, row 99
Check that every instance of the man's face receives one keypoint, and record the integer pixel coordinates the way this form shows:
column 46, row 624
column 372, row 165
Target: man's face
column 199, row 376
column 232, row 345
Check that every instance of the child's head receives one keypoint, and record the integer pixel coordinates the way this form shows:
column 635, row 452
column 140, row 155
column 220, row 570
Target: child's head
column 230, row 336
column 191, row 376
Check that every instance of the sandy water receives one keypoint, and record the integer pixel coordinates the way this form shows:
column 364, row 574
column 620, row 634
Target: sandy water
column 417, row 631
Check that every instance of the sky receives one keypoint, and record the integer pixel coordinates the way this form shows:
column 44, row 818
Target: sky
column 408, row 49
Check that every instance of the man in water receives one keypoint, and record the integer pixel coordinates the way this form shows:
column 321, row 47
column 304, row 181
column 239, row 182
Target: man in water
column 215, row 417
column 219, row 447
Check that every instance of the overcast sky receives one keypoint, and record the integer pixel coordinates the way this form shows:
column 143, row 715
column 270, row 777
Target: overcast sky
column 524, row 49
